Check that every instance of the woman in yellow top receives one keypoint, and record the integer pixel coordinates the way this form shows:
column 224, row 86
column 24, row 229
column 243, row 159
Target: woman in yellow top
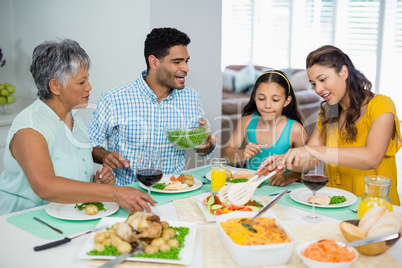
column 357, row 131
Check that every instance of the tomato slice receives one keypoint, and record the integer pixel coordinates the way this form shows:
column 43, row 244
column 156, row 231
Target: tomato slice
column 246, row 209
column 173, row 178
column 219, row 211
column 181, row 177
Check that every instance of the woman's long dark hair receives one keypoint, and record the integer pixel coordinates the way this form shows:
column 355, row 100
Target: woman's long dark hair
column 358, row 88
column 291, row 110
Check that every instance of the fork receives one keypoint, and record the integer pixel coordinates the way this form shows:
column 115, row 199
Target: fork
column 355, row 211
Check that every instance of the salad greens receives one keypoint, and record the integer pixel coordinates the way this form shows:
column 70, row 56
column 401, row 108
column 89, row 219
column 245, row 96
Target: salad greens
column 337, row 199
column 100, row 206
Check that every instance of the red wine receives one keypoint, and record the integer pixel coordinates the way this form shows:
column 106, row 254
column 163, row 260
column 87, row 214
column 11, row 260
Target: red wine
column 149, row 177
column 314, row 182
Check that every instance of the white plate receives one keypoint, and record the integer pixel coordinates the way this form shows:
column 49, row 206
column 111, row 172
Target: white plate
column 166, row 179
column 211, row 217
column 301, row 195
column 185, row 255
column 232, row 169
column 68, row 212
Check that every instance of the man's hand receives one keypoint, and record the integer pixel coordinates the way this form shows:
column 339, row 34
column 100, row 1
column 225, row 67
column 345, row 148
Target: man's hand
column 133, row 199
column 209, row 144
column 115, row 160
column 105, row 176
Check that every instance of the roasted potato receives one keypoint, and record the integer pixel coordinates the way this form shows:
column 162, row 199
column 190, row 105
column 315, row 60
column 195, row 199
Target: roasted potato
column 228, row 174
column 188, row 179
column 91, row 209
column 124, row 247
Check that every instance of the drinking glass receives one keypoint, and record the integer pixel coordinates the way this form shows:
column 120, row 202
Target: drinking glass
column 313, row 177
column 149, row 170
column 218, row 174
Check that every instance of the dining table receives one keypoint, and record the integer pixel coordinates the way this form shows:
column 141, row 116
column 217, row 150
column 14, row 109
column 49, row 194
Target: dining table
column 20, row 233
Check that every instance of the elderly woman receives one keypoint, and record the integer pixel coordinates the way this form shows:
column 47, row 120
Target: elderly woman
column 48, row 156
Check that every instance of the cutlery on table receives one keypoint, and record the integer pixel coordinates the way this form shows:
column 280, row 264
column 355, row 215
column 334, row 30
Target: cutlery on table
column 354, row 211
column 48, row 225
column 241, row 193
column 279, row 193
column 67, row 239
column 375, row 239
column 121, row 258
column 246, row 222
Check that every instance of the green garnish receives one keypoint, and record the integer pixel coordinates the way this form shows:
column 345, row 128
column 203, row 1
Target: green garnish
column 160, row 186
column 172, row 254
column 237, row 180
column 100, row 206
column 337, row 199
column 249, row 227
column 188, row 138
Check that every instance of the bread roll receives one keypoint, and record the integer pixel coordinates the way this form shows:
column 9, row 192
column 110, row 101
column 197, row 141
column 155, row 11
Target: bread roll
column 388, row 224
column 319, row 200
column 352, row 232
column 371, row 217
column 243, row 174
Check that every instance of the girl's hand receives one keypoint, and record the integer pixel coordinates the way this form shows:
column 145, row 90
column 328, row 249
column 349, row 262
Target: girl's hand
column 105, row 176
column 251, row 150
column 271, row 163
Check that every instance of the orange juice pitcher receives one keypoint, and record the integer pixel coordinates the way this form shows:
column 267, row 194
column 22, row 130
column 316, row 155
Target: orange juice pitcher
column 377, row 194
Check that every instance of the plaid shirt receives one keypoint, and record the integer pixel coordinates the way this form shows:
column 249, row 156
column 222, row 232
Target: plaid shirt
column 130, row 119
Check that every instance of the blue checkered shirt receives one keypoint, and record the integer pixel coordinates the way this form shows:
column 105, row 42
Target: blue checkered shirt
column 130, row 120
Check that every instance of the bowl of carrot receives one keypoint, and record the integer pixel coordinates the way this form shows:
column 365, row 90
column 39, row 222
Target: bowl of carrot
column 326, row 253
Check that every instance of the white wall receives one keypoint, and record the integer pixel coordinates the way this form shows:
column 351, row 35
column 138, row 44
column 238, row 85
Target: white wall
column 113, row 34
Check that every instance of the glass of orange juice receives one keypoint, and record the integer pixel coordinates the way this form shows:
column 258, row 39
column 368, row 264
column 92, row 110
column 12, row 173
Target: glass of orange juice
column 377, row 194
column 218, row 174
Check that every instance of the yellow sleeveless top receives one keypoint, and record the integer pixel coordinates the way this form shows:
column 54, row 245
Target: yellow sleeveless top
column 351, row 179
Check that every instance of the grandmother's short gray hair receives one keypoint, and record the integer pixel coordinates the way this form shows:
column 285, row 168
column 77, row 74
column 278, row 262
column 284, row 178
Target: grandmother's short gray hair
column 59, row 60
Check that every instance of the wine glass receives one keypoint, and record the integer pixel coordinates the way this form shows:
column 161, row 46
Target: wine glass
column 149, row 170
column 314, row 179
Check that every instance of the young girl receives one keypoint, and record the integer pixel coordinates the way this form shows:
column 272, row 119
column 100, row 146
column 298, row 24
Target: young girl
column 357, row 131
column 271, row 122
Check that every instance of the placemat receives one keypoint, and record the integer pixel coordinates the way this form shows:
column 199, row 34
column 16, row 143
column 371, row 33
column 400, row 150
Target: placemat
column 303, row 233
column 26, row 222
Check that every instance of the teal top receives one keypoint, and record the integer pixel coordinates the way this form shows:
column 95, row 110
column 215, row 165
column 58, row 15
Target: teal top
column 280, row 147
column 70, row 152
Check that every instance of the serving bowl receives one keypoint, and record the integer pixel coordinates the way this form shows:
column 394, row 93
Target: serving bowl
column 259, row 255
column 187, row 137
column 370, row 249
column 318, row 264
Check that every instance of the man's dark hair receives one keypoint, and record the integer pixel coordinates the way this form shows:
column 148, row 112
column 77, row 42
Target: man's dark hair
column 160, row 40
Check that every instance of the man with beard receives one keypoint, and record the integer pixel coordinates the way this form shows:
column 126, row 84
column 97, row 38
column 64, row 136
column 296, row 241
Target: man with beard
column 133, row 117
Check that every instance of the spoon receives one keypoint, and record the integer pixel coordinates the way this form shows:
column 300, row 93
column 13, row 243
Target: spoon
column 240, row 193
column 246, row 222
column 371, row 240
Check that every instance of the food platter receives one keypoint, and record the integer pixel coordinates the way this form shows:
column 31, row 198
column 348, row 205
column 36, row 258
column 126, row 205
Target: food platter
column 231, row 169
column 166, row 179
column 301, row 195
column 211, row 217
column 68, row 212
column 185, row 255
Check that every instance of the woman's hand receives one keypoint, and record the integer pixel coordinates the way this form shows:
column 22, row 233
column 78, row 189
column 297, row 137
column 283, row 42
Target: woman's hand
column 251, row 150
column 133, row 199
column 104, row 176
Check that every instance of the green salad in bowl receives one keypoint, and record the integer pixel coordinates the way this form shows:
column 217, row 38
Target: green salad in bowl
column 187, row 137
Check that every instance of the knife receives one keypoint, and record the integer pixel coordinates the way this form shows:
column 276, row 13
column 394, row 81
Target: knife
column 48, row 225
column 373, row 240
column 67, row 239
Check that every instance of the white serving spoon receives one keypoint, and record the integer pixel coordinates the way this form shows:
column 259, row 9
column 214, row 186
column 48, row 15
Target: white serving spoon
column 223, row 192
column 241, row 193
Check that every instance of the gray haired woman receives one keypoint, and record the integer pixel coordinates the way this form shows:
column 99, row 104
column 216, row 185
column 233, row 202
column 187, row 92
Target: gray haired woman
column 48, row 156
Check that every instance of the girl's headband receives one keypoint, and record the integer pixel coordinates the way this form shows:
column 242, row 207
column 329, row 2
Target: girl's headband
column 274, row 72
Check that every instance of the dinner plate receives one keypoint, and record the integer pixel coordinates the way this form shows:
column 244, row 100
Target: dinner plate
column 185, row 255
column 68, row 212
column 232, row 169
column 211, row 217
column 166, row 179
column 301, row 195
